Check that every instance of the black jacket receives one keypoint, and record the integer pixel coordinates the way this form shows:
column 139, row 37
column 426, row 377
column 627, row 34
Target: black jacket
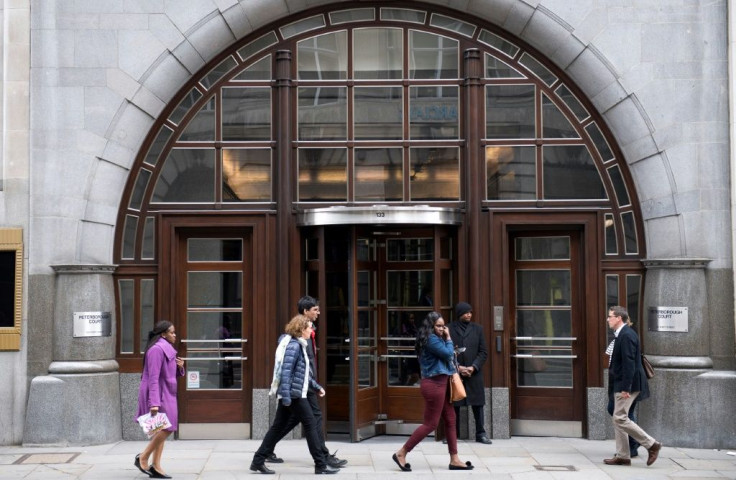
column 626, row 373
column 475, row 354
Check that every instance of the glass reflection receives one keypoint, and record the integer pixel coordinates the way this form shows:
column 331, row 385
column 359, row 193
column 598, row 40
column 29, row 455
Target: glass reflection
column 403, row 366
column 542, row 287
column 554, row 122
column 511, row 173
column 323, row 174
column 215, row 249
column 378, row 113
column 410, row 249
column 432, row 56
column 215, row 329
column 545, row 355
column 322, row 113
column 188, row 175
column 435, row 173
column 510, row 111
column 379, row 174
column 408, row 288
column 542, row 248
column 246, row 175
column 215, row 289
column 569, row 172
column 201, row 128
column 323, row 57
column 381, row 54
column 433, row 113
column 246, row 113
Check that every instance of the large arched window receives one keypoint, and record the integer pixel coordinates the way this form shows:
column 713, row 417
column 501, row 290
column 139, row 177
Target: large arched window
column 377, row 115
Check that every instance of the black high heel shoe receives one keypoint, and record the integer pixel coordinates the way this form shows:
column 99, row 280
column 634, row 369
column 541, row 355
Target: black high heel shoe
column 156, row 474
column 137, row 463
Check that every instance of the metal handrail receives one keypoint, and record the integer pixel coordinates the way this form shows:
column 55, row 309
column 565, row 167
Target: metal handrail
column 224, row 340
column 219, row 359
column 559, row 339
column 528, row 355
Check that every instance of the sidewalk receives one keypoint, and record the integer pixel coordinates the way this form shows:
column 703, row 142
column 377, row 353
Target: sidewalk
column 526, row 458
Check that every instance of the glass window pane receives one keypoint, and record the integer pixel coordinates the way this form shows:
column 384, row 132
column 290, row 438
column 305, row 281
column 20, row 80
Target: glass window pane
column 410, row 249
column 129, row 232
column 148, row 304
column 215, row 289
column 500, row 44
column 379, row 174
column 432, row 56
column 380, row 53
column 452, row 24
column 324, row 57
column 554, row 123
column 323, row 113
column 366, row 328
column 510, row 111
column 434, row 113
column 187, row 176
column 186, row 103
column 435, row 174
column 619, row 186
column 403, row 15
column 630, row 243
column 538, row 69
column 572, row 102
column 378, row 113
column 633, row 298
column 158, row 145
column 303, row 25
column 216, row 372
column 202, row 126
column 599, row 141
column 257, row 45
column 542, row 248
column 215, row 250
column 611, row 241
column 569, row 172
column 366, row 369
column 364, row 289
column 403, row 366
column 148, row 250
column 496, row 68
column 511, row 173
column 214, row 75
column 323, row 174
column 246, row 175
column 311, row 249
column 544, row 323
column 352, row 15
column 538, row 371
column 127, row 316
column 405, row 288
column 365, row 250
column 542, row 287
column 611, row 301
column 141, row 184
column 259, row 71
column 246, row 113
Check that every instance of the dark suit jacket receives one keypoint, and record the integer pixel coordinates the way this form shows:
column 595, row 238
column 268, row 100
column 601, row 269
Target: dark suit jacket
column 476, row 355
column 626, row 373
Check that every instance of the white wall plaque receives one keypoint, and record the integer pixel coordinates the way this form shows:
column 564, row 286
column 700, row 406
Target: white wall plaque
column 668, row 319
column 92, row 324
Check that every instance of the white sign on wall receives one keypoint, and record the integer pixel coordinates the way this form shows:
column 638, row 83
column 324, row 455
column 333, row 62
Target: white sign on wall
column 668, row 319
column 92, row 324
column 192, row 379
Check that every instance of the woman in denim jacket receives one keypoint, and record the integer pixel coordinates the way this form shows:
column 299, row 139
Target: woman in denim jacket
column 435, row 351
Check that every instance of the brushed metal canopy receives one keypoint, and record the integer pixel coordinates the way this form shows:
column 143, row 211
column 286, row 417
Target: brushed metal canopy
column 380, row 215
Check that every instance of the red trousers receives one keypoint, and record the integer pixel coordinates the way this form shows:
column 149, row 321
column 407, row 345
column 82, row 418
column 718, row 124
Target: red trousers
column 436, row 405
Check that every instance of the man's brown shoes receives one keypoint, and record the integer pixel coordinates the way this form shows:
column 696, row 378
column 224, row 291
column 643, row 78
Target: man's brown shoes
column 617, row 461
column 653, row 453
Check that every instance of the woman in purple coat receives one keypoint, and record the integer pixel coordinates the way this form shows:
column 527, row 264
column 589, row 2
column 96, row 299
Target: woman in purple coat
column 161, row 366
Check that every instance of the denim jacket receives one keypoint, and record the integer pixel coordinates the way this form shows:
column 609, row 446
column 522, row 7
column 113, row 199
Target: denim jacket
column 436, row 357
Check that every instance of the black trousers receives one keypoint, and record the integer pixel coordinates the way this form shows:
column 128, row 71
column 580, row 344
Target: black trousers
column 479, row 422
column 301, row 409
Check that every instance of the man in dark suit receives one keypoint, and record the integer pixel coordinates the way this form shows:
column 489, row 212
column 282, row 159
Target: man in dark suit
column 469, row 335
column 628, row 383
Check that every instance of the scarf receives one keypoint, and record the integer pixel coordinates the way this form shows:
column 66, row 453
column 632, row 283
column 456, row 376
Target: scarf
column 279, row 361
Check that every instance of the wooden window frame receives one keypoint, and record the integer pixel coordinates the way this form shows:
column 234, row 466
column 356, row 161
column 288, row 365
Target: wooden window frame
column 11, row 240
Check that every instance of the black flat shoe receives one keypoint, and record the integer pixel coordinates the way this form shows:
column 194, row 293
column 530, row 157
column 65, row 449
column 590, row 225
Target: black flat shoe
column 261, row 468
column 274, row 459
column 326, row 470
column 405, row 467
column 137, row 463
column 468, row 466
column 156, row 474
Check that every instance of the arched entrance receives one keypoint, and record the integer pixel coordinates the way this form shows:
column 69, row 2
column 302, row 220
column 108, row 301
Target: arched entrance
column 368, row 105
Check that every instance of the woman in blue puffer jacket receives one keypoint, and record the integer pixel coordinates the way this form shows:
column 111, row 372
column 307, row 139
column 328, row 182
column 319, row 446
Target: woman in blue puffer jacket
column 292, row 380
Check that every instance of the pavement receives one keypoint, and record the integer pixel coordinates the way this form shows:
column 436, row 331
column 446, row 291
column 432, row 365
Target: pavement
column 522, row 458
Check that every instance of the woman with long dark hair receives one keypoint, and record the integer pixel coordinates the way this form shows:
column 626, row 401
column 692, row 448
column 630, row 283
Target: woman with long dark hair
column 435, row 351
column 157, row 393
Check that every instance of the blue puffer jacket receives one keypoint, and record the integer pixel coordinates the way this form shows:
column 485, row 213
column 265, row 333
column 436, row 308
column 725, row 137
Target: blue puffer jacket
column 436, row 357
column 293, row 372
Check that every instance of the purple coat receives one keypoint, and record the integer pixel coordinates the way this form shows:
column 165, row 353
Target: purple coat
column 158, row 382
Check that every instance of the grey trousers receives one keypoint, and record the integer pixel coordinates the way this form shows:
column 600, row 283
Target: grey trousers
column 624, row 427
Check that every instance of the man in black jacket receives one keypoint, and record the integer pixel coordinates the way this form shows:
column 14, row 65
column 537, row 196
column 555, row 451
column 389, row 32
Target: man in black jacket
column 470, row 335
column 308, row 307
column 628, row 383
